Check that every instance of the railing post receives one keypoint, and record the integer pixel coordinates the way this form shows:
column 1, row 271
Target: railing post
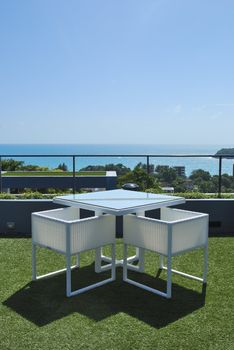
column 148, row 164
column 74, row 173
column 0, row 174
column 147, row 169
column 220, row 177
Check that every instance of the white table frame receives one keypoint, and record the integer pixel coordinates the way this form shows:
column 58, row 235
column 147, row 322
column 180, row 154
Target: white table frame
column 139, row 210
column 139, row 256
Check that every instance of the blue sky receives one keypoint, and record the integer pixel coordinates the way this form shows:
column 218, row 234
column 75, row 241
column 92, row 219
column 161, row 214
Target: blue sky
column 108, row 71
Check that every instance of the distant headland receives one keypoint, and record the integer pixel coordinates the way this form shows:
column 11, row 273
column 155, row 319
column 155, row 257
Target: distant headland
column 225, row 151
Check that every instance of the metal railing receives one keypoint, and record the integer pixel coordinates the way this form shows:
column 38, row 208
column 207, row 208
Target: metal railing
column 147, row 157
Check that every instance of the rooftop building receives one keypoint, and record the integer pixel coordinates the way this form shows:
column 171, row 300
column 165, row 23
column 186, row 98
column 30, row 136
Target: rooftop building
column 180, row 170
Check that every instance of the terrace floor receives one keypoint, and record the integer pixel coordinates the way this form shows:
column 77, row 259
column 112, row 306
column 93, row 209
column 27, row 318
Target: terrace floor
column 37, row 315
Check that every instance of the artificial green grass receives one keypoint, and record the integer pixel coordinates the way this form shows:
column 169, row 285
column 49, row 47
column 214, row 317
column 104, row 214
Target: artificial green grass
column 118, row 316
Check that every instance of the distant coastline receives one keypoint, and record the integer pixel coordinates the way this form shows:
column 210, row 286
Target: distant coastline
column 210, row 163
column 226, row 152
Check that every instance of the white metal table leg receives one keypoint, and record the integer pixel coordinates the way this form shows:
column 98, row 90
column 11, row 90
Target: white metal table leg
column 125, row 262
column 98, row 260
column 141, row 260
column 78, row 260
column 140, row 253
column 161, row 261
column 139, row 256
column 98, row 251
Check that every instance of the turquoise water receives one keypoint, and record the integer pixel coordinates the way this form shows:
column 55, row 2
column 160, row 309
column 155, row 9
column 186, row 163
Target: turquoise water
column 209, row 164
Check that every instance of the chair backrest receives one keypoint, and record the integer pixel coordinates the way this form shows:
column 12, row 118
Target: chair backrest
column 186, row 230
column 50, row 229
column 145, row 233
column 92, row 233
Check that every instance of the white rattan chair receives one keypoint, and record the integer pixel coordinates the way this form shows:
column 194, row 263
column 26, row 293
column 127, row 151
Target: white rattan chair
column 177, row 232
column 62, row 231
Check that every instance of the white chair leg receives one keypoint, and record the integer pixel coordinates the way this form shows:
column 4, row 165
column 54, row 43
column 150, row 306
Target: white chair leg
column 94, row 285
column 68, row 275
column 137, row 284
column 34, row 267
column 125, row 271
column 205, row 263
column 68, row 270
column 186, row 275
column 113, row 267
column 169, row 277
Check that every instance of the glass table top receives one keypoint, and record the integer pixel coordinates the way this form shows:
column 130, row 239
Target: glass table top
column 119, row 201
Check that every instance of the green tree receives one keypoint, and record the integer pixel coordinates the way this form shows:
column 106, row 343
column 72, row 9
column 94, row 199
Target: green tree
column 63, row 167
column 180, row 185
column 140, row 177
column 227, row 183
column 119, row 168
column 11, row 164
column 31, row 167
column 203, row 181
column 200, row 174
column 166, row 174
column 144, row 167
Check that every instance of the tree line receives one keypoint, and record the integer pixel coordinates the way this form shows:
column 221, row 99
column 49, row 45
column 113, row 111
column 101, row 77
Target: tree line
column 18, row 165
column 166, row 176
column 157, row 178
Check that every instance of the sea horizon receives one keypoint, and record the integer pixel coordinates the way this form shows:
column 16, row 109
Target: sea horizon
column 59, row 150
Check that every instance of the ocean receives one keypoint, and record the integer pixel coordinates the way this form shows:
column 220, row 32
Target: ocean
column 209, row 164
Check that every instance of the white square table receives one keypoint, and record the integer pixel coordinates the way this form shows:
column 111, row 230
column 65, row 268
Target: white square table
column 119, row 202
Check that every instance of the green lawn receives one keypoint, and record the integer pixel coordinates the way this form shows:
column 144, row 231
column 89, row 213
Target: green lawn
column 54, row 173
column 118, row 316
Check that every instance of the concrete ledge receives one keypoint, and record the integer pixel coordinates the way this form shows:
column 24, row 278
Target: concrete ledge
column 18, row 213
column 221, row 213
